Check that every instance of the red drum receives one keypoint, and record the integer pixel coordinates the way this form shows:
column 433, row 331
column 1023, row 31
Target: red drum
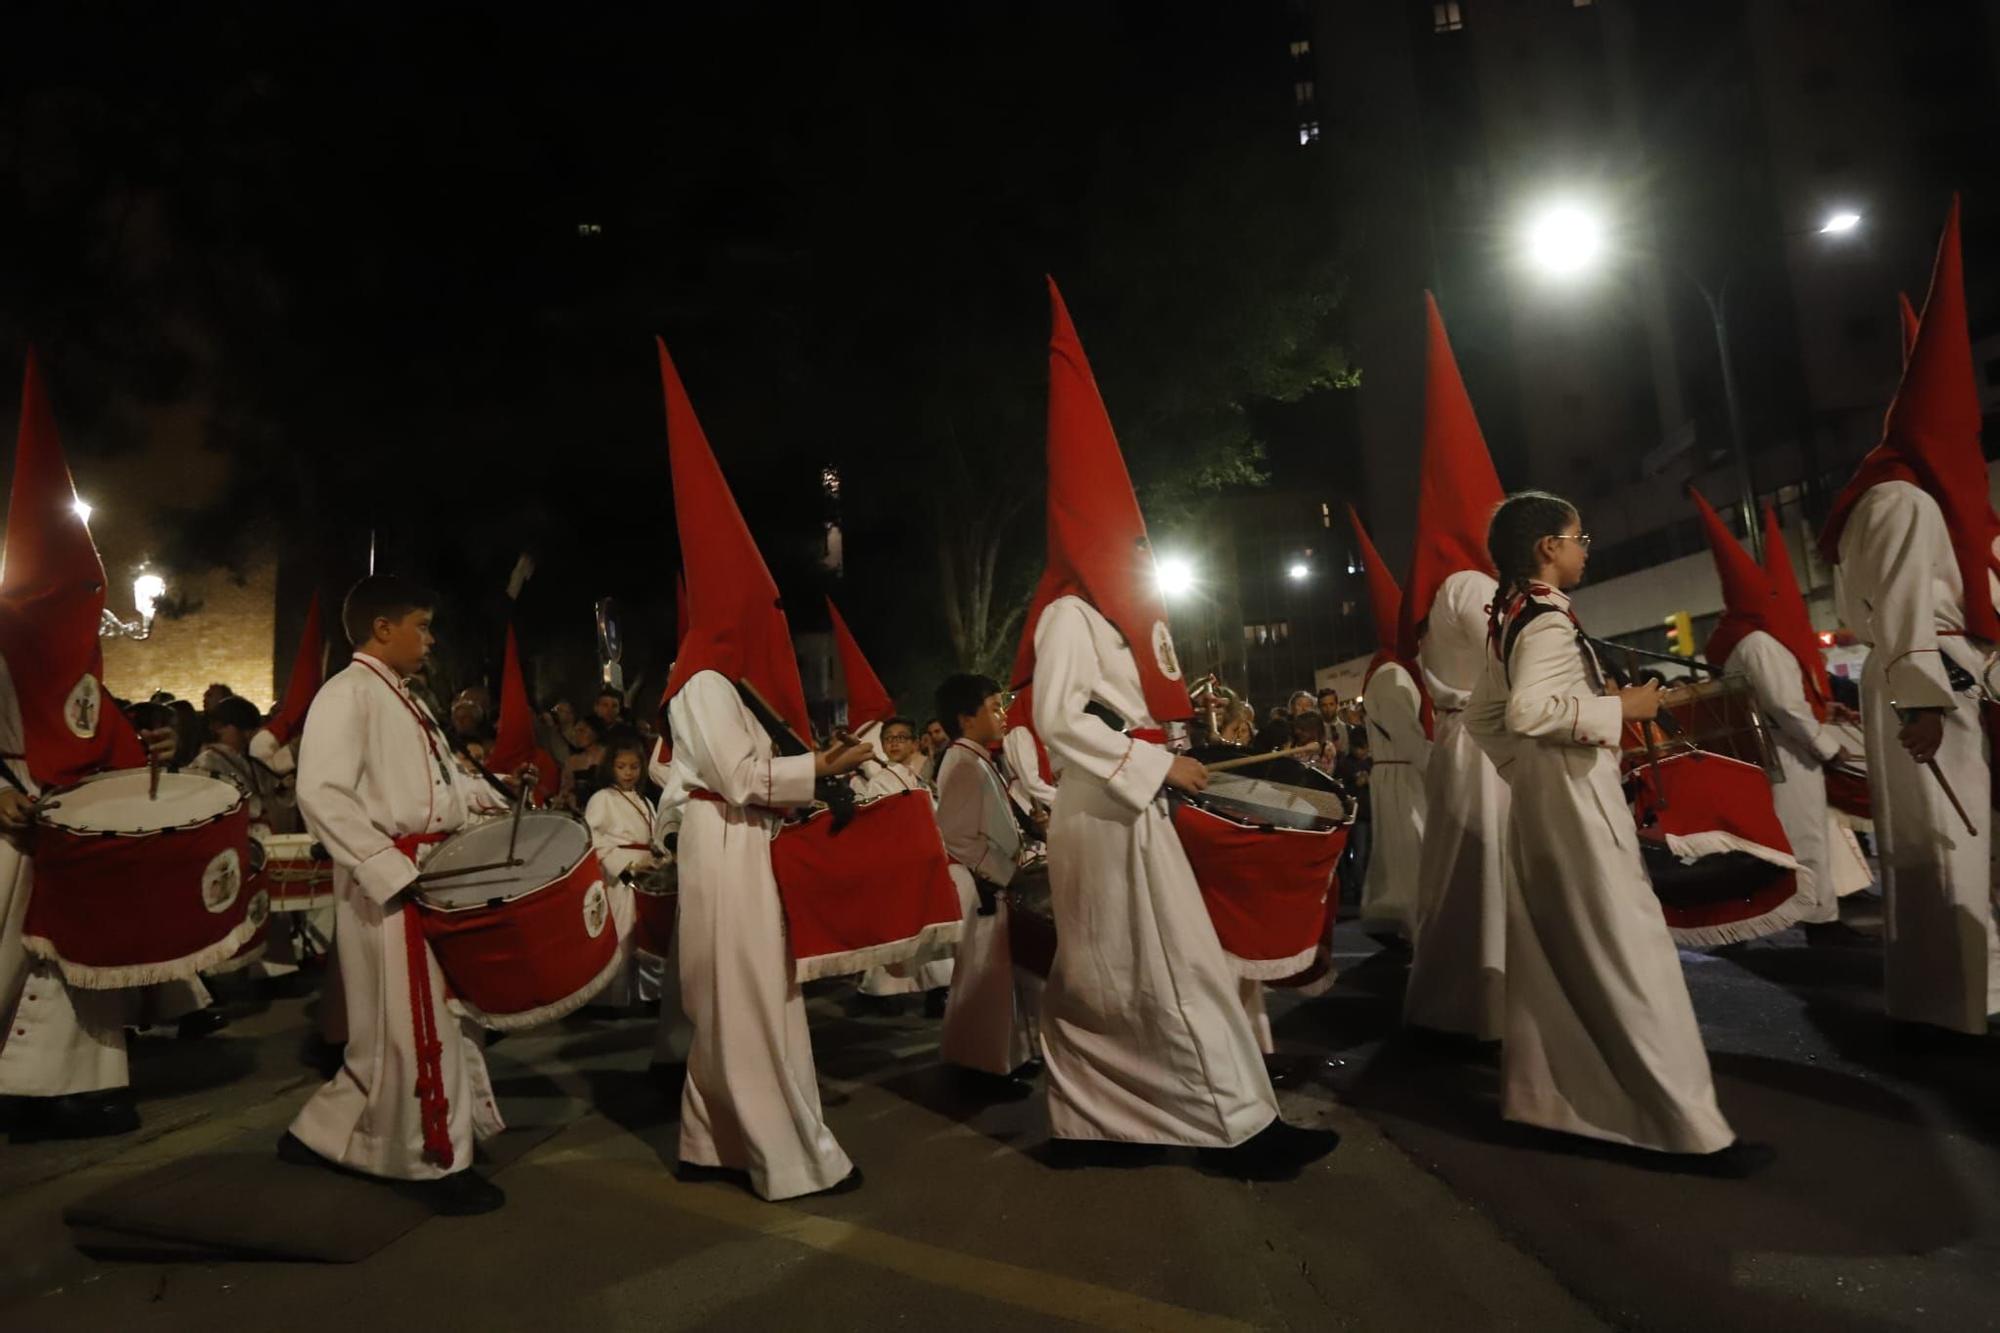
column 1711, row 841
column 1031, row 920
column 520, row 944
column 297, row 871
column 131, row 888
column 872, row 892
column 1847, row 791
column 1267, row 886
column 656, row 904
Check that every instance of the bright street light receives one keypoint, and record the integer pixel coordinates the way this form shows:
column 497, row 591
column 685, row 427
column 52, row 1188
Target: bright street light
column 1839, row 224
column 1299, row 571
column 1565, row 238
column 82, row 510
column 147, row 590
column 1175, row 574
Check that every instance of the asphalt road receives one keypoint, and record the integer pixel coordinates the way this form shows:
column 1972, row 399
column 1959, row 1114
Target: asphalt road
column 1433, row 1214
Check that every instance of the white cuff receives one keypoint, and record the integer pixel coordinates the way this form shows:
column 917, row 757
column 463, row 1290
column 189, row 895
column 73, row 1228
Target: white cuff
column 385, row 874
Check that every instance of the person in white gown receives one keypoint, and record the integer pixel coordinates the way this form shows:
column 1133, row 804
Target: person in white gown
column 1399, row 747
column 621, row 819
column 1600, row 1037
column 673, row 1034
column 377, row 783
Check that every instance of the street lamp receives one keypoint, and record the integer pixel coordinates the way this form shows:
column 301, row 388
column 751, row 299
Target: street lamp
column 1176, row 576
column 1564, row 239
column 81, row 509
column 1298, row 571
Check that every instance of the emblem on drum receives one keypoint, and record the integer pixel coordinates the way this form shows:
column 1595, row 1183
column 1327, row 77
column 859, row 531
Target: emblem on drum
column 221, row 881
column 80, row 710
column 1163, row 651
column 259, row 908
column 596, row 909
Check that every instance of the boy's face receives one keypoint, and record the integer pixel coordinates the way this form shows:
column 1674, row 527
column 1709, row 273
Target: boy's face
column 403, row 643
column 986, row 727
column 625, row 768
column 606, row 707
column 899, row 743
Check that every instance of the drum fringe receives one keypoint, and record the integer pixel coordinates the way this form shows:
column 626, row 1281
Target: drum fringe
column 1691, row 847
column 84, row 976
column 876, row 955
column 1784, row 915
column 1273, row 969
column 547, row 1013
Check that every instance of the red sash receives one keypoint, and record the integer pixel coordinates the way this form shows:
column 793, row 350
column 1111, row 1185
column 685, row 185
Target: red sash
column 433, row 1107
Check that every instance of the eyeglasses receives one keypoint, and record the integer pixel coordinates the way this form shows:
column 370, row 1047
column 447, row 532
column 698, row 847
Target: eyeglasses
column 889, row 736
column 1581, row 539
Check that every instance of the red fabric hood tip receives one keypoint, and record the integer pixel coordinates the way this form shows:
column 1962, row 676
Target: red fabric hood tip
column 308, row 674
column 736, row 623
column 1791, row 622
column 514, row 738
column 1747, row 604
column 1385, row 603
column 1097, row 537
column 1931, row 439
column 51, row 601
column 867, row 700
column 1457, row 490
column 1908, row 315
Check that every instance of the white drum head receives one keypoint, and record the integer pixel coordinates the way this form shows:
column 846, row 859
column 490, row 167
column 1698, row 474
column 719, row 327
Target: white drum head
column 548, row 846
column 121, row 802
column 286, row 846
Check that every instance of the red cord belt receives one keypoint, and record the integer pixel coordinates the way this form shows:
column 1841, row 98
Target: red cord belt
column 433, row 1107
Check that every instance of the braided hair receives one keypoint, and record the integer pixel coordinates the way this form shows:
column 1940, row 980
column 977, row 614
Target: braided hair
column 1517, row 527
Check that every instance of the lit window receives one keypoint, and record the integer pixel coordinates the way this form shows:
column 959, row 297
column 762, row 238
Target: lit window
column 1446, row 16
column 1301, row 49
column 1325, row 515
column 589, row 229
column 1308, row 132
column 1303, row 91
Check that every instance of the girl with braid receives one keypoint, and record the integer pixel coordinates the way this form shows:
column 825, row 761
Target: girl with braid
column 1600, row 1037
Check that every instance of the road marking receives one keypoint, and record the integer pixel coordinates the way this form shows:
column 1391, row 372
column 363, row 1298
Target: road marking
column 1010, row 1284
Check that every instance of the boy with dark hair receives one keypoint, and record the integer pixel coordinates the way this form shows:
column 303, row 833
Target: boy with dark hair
column 987, row 1018
column 377, row 782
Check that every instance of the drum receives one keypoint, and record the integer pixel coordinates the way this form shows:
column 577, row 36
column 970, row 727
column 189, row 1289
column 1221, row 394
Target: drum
column 297, row 872
column 868, row 892
column 1267, row 882
column 1847, row 791
column 525, row 943
column 656, row 902
column 1719, row 716
column 133, row 887
column 1718, row 858
column 1031, row 920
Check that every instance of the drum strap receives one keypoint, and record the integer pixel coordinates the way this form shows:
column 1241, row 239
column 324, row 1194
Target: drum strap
column 434, row 1109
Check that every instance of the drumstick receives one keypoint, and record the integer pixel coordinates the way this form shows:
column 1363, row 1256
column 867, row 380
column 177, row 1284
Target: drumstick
column 1944, row 782
column 1247, row 760
column 514, row 831
column 430, row 875
column 152, row 778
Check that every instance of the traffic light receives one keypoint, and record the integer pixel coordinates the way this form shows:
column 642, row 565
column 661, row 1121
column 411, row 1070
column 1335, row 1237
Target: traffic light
column 1680, row 634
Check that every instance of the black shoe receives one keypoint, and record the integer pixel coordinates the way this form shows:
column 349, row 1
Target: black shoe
column 461, row 1194
column 1032, row 1069
column 697, row 1173
column 1071, row 1154
column 1739, row 1161
column 669, row 1076
column 847, row 1184
column 292, row 1150
column 1839, row 935
column 1391, row 942
column 75, row 1115
column 1277, row 1152
column 935, row 1001
column 201, row 1023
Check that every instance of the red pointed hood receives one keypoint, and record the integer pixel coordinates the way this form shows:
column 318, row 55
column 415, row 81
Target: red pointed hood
column 1746, row 594
column 736, row 624
column 1931, row 440
column 1097, row 537
column 514, row 738
column 1457, row 492
column 1908, row 314
column 680, row 609
column 1385, row 602
column 308, row 673
column 867, row 701
column 1791, row 623
column 51, row 600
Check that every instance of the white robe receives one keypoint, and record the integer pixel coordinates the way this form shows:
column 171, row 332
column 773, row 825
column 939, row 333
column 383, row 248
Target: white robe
column 673, row 1034
column 751, row 1101
column 1458, row 970
column 1144, row 1030
column 1803, row 746
column 1899, row 591
column 621, row 833
column 1600, row 1034
column 369, row 771
column 56, row 1040
column 1401, row 754
column 989, row 1020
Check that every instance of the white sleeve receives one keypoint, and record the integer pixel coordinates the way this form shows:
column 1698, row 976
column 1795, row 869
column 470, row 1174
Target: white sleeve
column 1025, row 764
column 1903, row 532
column 1066, row 667
column 730, row 757
column 1543, row 701
column 1395, row 709
column 264, row 748
column 1779, row 686
column 329, row 772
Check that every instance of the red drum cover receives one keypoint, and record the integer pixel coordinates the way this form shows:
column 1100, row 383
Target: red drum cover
column 1847, row 792
column 129, row 890
column 654, row 916
column 1267, row 889
column 872, row 893
column 531, row 958
column 1725, row 806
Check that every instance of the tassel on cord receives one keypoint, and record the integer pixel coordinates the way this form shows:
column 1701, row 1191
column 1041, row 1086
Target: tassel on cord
column 434, row 1107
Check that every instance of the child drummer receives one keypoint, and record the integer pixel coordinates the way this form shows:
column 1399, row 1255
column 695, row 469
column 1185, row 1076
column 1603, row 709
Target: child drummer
column 376, row 784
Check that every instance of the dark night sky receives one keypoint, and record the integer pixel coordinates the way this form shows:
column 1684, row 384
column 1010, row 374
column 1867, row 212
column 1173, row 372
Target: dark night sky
column 352, row 232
